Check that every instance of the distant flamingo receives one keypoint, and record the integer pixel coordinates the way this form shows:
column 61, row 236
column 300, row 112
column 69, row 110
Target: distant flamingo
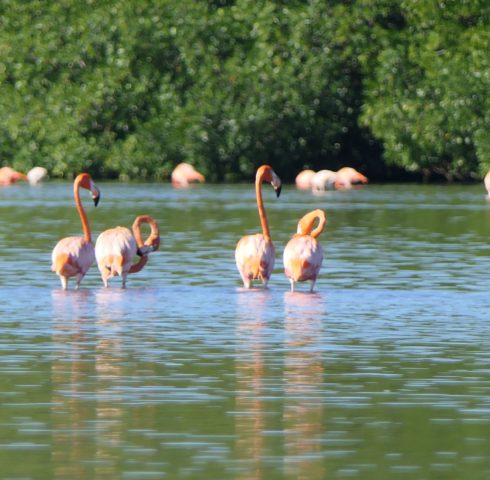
column 73, row 256
column 115, row 249
column 35, row 175
column 184, row 173
column 304, row 178
column 254, row 254
column 8, row 176
column 486, row 181
column 323, row 180
column 348, row 176
column 303, row 254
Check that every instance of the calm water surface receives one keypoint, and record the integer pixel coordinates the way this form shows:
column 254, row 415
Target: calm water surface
column 382, row 373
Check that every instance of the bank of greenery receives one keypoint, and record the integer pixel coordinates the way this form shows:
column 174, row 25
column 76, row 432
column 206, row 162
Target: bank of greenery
column 130, row 88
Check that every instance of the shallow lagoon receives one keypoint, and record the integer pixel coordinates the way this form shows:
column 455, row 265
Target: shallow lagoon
column 382, row 372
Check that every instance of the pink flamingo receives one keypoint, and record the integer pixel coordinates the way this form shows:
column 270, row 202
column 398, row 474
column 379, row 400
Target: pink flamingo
column 73, row 256
column 8, row 176
column 254, row 254
column 486, row 182
column 184, row 173
column 348, row 176
column 303, row 254
column 323, row 180
column 304, row 178
column 115, row 249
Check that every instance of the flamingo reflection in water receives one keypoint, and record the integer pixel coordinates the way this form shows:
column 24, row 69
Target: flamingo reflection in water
column 304, row 386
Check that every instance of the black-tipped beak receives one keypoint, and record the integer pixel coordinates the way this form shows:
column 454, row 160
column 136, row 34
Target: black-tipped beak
column 96, row 199
column 278, row 191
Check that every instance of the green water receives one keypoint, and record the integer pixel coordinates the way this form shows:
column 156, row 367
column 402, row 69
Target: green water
column 382, row 373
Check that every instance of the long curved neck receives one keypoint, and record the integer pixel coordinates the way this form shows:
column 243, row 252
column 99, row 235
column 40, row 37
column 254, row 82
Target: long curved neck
column 153, row 239
column 81, row 212
column 260, row 205
column 136, row 267
column 305, row 225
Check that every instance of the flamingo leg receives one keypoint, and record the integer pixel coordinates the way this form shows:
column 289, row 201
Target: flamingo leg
column 79, row 278
column 312, row 285
column 291, row 281
column 64, row 282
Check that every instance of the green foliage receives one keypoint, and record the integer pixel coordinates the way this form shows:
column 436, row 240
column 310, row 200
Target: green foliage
column 129, row 89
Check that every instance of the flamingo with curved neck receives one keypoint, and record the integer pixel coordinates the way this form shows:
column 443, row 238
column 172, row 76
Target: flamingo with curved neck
column 115, row 249
column 254, row 254
column 303, row 254
column 73, row 256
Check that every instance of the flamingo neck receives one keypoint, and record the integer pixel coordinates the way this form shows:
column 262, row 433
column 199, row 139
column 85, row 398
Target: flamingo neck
column 81, row 212
column 138, row 266
column 305, row 225
column 154, row 237
column 260, row 205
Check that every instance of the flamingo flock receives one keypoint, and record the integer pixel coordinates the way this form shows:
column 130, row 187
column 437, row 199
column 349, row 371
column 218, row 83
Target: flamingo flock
column 322, row 180
column 116, row 248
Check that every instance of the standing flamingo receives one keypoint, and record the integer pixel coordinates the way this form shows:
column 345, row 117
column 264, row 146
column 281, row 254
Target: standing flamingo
column 73, row 256
column 254, row 254
column 348, row 176
column 303, row 254
column 183, row 174
column 304, row 178
column 8, row 176
column 115, row 249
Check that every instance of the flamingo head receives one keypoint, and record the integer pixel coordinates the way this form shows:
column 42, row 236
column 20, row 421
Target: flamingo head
column 266, row 173
column 85, row 181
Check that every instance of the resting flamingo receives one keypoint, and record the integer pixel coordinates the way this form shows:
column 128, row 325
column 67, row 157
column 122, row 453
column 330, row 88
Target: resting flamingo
column 115, row 249
column 348, row 176
column 8, row 176
column 73, row 256
column 254, row 254
column 486, row 182
column 304, row 178
column 303, row 254
column 184, row 173
column 323, row 180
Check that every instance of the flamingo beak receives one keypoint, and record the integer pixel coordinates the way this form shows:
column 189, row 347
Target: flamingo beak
column 278, row 191
column 96, row 199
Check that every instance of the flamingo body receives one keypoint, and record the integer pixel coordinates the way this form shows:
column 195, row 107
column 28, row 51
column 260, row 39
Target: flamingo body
column 254, row 254
column 303, row 257
column 114, row 251
column 8, row 176
column 35, row 175
column 73, row 256
column 323, row 180
column 184, row 174
column 116, row 247
column 348, row 176
column 304, row 178
column 303, row 254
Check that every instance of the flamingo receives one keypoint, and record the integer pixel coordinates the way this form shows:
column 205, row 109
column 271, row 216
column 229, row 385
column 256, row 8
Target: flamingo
column 8, row 176
column 304, row 178
column 348, row 176
column 486, row 182
column 303, row 254
column 322, row 180
column 184, row 173
column 73, row 256
column 36, row 174
column 115, row 249
column 254, row 254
